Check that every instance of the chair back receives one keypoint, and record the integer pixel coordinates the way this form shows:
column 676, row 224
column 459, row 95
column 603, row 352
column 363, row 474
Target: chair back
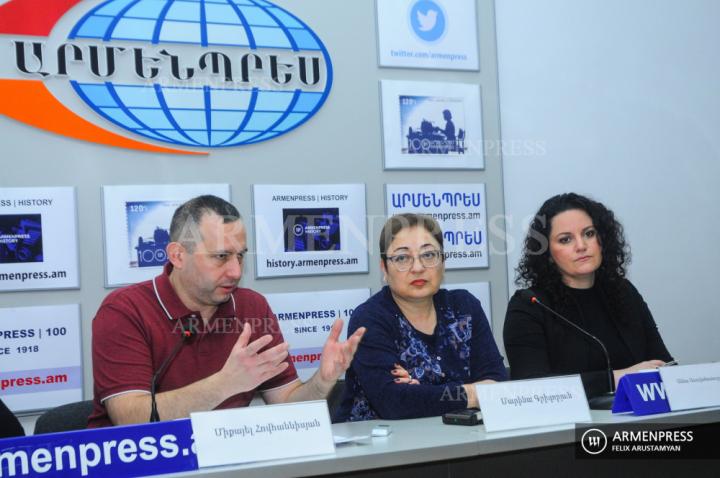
column 65, row 418
column 334, row 398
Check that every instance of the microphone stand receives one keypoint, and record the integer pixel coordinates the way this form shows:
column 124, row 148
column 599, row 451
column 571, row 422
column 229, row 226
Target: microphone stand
column 604, row 401
column 185, row 335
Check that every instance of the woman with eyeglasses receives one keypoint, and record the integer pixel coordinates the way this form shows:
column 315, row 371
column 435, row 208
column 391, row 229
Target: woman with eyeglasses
column 425, row 347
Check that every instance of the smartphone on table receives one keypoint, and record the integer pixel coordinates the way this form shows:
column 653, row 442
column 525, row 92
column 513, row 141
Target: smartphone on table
column 466, row 416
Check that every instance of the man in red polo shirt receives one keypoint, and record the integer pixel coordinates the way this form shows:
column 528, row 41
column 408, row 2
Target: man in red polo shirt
column 235, row 349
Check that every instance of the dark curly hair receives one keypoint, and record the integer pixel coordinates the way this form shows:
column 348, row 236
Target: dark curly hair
column 537, row 270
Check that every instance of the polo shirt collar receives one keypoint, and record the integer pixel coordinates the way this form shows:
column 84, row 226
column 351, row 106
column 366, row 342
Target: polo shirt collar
column 175, row 306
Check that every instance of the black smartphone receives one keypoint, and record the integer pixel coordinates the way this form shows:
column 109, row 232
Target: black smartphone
column 466, row 416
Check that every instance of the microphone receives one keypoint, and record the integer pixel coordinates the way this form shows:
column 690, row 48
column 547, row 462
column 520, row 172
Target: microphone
column 602, row 402
column 187, row 332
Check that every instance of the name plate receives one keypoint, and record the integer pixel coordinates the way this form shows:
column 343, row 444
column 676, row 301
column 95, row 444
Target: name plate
column 533, row 403
column 243, row 435
column 692, row 386
column 642, row 393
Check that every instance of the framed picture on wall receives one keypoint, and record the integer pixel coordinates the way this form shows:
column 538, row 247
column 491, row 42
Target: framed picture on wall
column 42, row 364
column 309, row 229
column 38, row 239
column 481, row 291
column 461, row 211
column 429, row 125
column 137, row 227
column 306, row 318
column 437, row 34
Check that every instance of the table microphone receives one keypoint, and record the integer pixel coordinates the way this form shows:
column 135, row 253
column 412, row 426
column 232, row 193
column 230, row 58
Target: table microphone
column 604, row 401
column 186, row 332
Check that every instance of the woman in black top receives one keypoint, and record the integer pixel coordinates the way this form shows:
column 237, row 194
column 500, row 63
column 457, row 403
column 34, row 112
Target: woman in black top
column 574, row 260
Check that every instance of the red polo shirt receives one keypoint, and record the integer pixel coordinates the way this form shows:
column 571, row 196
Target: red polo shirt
column 136, row 328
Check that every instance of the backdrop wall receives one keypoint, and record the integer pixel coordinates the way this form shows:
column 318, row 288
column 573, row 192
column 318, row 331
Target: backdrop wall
column 341, row 144
column 625, row 98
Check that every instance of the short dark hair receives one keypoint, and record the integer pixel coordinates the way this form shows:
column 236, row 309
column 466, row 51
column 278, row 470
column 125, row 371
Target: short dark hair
column 403, row 221
column 537, row 270
column 191, row 213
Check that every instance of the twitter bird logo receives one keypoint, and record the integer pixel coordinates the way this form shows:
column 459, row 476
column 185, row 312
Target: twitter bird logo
column 427, row 19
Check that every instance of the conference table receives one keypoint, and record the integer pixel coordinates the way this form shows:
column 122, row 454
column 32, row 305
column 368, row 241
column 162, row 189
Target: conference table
column 427, row 448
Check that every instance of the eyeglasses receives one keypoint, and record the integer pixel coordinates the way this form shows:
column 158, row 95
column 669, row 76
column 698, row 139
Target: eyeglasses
column 404, row 262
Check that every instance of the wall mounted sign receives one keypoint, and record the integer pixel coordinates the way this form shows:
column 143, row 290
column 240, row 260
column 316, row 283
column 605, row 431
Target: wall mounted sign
column 481, row 291
column 460, row 210
column 430, row 125
column 439, row 34
column 161, row 76
column 305, row 320
column 310, row 229
column 38, row 239
column 137, row 227
column 40, row 359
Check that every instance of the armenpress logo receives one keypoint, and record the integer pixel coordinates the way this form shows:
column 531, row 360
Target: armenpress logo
column 594, row 441
column 162, row 75
column 428, row 20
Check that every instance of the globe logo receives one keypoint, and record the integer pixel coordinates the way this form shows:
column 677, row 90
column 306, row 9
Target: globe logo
column 427, row 20
column 207, row 73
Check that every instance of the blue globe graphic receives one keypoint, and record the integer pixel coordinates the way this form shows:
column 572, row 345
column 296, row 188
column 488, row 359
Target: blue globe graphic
column 201, row 116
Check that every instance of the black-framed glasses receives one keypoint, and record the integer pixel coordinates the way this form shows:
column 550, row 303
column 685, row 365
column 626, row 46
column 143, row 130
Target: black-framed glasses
column 428, row 259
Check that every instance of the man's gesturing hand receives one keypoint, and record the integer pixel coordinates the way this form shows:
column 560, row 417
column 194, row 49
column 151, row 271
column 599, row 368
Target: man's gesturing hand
column 337, row 356
column 246, row 367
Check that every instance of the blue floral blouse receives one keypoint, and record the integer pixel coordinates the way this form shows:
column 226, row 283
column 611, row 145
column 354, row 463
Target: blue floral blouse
column 461, row 350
